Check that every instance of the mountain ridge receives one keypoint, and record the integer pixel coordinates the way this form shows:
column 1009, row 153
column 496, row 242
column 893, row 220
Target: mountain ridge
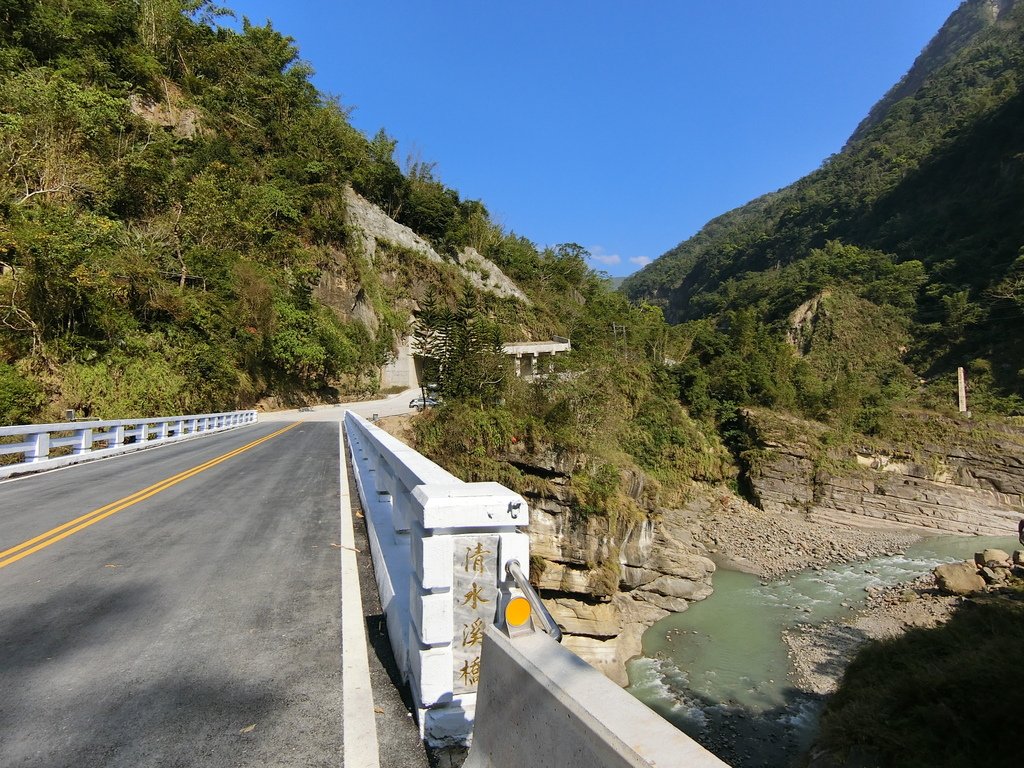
column 961, row 27
column 932, row 177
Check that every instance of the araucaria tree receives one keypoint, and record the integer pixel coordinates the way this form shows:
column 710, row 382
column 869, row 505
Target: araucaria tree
column 461, row 349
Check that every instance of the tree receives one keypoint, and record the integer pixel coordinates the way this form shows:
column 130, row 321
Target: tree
column 428, row 339
column 461, row 350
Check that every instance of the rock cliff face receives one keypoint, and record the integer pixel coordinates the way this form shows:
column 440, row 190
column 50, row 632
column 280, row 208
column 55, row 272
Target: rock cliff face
column 341, row 289
column 387, row 261
column 371, row 225
column 605, row 587
column 975, row 486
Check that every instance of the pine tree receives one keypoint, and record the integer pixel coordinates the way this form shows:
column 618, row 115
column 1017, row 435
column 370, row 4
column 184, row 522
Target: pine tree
column 428, row 340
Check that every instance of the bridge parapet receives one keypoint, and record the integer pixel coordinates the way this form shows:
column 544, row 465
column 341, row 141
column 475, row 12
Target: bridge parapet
column 540, row 704
column 36, row 444
column 442, row 552
column 439, row 547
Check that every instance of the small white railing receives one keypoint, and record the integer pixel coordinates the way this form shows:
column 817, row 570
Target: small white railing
column 440, row 547
column 36, row 444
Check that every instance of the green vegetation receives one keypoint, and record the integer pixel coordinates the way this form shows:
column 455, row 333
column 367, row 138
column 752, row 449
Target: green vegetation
column 461, row 349
column 917, row 216
column 920, row 699
column 610, row 407
column 171, row 200
column 173, row 239
column 842, row 363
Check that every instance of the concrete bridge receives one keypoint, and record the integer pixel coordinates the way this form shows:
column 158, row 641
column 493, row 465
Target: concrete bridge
column 529, row 359
column 179, row 603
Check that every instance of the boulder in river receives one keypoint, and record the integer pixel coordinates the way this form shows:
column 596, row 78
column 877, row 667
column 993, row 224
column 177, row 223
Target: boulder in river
column 958, row 578
column 992, row 558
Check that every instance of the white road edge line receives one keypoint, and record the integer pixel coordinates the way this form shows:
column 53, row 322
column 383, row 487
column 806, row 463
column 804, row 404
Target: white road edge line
column 359, row 724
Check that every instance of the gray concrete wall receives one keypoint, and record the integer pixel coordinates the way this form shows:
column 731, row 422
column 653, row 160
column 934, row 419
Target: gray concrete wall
column 402, row 371
column 539, row 704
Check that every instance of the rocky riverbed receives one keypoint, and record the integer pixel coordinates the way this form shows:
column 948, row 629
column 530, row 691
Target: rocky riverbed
column 821, row 653
column 738, row 535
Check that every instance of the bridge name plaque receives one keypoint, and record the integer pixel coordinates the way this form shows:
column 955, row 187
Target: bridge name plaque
column 475, row 593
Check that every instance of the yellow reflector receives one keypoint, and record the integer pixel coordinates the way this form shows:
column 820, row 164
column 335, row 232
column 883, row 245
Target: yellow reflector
column 517, row 612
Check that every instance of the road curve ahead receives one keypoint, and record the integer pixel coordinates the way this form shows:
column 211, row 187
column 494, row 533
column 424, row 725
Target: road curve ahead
column 176, row 607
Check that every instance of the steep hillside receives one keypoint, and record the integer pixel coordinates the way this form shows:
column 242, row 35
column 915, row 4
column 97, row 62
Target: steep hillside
column 932, row 180
column 187, row 224
column 957, row 33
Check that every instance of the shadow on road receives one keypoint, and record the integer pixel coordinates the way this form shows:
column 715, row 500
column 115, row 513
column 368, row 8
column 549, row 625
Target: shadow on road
column 75, row 695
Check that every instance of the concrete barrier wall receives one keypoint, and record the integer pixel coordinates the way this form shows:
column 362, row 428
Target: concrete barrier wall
column 439, row 548
column 541, row 705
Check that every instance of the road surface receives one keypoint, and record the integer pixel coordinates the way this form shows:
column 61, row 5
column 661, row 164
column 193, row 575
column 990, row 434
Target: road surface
column 198, row 623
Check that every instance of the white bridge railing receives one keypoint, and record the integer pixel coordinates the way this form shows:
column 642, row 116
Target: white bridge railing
column 440, row 551
column 439, row 548
column 47, row 446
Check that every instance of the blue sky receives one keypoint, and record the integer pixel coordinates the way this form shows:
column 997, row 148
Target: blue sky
column 622, row 126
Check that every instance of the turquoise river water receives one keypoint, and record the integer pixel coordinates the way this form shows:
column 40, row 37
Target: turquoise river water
column 720, row 671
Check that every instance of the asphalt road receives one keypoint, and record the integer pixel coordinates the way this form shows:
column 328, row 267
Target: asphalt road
column 392, row 405
column 196, row 626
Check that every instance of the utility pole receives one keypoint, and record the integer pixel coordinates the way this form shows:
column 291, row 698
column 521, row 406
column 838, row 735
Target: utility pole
column 961, row 386
column 616, row 329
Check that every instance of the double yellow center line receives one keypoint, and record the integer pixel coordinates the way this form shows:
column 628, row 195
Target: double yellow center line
column 54, row 535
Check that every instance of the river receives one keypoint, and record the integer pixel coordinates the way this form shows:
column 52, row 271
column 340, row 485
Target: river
column 720, row 670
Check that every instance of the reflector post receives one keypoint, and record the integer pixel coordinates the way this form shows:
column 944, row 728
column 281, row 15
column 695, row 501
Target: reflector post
column 517, row 612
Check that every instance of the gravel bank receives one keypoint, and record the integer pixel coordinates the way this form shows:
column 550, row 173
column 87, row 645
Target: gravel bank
column 820, row 654
column 739, row 535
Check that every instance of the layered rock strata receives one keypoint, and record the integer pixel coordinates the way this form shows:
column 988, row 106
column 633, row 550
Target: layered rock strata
column 604, row 588
column 973, row 486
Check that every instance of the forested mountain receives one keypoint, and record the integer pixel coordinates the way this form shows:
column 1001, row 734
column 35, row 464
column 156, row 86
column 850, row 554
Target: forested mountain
column 172, row 206
column 177, row 235
column 169, row 191
column 911, row 237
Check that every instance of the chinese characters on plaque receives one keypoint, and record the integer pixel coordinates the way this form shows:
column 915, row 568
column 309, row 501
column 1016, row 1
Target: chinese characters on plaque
column 476, row 597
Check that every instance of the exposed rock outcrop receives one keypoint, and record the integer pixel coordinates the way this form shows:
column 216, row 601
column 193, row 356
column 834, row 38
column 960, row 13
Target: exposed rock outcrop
column 958, row 578
column 990, row 569
column 973, row 486
column 487, row 276
column 605, row 587
column 372, row 226
column 171, row 112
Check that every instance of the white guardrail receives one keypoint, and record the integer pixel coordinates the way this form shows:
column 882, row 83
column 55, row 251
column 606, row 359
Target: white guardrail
column 442, row 551
column 48, row 446
column 439, row 547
